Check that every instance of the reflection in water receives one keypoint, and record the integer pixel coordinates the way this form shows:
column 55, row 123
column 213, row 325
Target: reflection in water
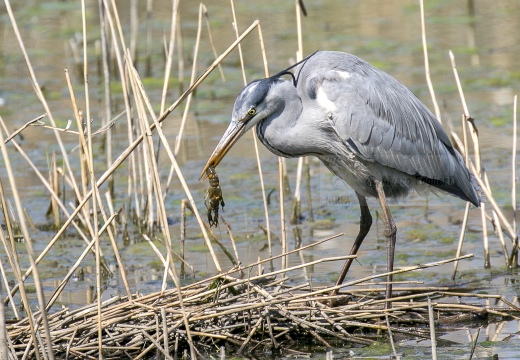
column 484, row 39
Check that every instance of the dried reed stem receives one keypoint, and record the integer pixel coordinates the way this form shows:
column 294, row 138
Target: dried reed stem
column 106, row 86
column 433, row 339
column 427, row 63
column 6, row 282
column 26, row 125
column 296, row 208
column 461, row 239
column 513, row 162
column 264, row 198
column 178, row 139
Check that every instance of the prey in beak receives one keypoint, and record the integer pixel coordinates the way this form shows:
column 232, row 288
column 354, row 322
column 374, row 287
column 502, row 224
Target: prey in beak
column 234, row 131
column 213, row 198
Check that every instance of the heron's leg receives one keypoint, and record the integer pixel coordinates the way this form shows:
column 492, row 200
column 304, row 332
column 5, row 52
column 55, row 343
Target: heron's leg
column 364, row 226
column 390, row 232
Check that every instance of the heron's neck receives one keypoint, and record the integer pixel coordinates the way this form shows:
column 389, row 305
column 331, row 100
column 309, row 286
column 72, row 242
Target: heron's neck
column 277, row 130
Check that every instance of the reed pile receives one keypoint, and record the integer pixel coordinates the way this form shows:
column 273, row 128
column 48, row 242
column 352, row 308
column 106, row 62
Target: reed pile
column 258, row 314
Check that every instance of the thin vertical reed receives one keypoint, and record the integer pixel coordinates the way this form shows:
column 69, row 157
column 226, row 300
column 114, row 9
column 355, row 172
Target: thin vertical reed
column 134, row 29
column 183, row 234
column 513, row 163
column 427, row 63
column 180, row 56
column 193, row 78
column 149, row 7
column 433, row 338
column 308, row 189
column 474, row 343
column 169, row 56
column 461, row 239
column 497, row 227
column 282, row 214
column 212, row 43
column 296, row 208
column 106, row 85
column 6, row 283
column 56, row 187
column 3, row 328
column 266, row 212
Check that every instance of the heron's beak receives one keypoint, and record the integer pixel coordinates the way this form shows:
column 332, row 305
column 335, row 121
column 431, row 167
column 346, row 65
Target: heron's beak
column 234, row 131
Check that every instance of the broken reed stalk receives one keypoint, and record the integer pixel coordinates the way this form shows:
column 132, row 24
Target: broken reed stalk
column 498, row 229
column 25, row 126
column 476, row 154
column 476, row 168
column 461, row 238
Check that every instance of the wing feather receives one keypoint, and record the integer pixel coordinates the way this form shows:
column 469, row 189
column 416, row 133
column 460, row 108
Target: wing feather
column 381, row 120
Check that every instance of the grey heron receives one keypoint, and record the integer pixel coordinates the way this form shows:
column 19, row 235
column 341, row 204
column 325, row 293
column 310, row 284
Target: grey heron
column 364, row 125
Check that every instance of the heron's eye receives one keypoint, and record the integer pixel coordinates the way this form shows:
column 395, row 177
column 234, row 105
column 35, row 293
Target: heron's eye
column 252, row 111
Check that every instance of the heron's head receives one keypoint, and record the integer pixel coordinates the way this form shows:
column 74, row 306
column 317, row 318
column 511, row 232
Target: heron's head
column 256, row 101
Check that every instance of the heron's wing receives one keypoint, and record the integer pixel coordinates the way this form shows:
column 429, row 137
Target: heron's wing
column 382, row 121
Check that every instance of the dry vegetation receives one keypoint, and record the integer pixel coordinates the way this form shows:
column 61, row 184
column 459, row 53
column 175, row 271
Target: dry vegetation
column 229, row 312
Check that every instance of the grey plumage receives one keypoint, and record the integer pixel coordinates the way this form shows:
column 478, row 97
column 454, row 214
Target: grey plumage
column 363, row 124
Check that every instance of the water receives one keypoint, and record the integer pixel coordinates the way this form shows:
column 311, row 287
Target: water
column 484, row 40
